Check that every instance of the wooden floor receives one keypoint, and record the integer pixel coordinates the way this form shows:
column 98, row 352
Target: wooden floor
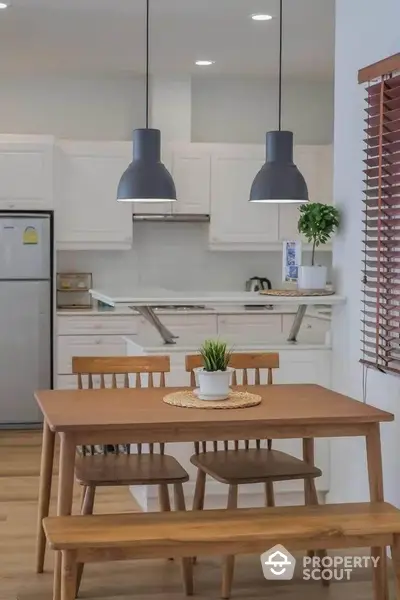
column 140, row 580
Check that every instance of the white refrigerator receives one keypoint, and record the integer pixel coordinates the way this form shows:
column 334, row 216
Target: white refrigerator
column 25, row 315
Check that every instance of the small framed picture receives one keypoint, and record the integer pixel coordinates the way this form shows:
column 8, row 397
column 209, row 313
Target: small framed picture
column 291, row 261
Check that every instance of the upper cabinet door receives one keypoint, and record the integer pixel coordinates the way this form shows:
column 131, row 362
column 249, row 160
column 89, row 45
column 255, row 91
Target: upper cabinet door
column 26, row 172
column 88, row 214
column 235, row 221
column 315, row 164
column 155, row 208
column 191, row 170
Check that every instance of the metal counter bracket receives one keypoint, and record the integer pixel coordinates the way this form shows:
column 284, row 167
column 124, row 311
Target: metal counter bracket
column 148, row 313
column 169, row 338
column 298, row 319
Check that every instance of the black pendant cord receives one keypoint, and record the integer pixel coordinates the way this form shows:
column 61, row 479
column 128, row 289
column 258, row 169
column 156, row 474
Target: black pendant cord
column 280, row 62
column 147, row 59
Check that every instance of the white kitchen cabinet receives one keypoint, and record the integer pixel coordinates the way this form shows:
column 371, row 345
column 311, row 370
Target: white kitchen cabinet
column 191, row 329
column 155, row 208
column 237, row 223
column 304, row 366
column 88, row 214
column 190, row 167
column 316, row 165
column 191, row 170
column 249, row 329
column 312, row 330
column 100, row 324
column 86, row 345
column 26, row 172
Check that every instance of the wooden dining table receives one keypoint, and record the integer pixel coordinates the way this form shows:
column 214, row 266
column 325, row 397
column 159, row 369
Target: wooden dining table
column 122, row 416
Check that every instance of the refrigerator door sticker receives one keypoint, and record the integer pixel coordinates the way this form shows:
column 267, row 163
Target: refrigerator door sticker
column 30, row 236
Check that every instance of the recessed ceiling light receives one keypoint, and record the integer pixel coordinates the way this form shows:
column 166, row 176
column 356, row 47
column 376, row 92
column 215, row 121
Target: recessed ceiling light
column 3, row 5
column 261, row 17
column 204, row 63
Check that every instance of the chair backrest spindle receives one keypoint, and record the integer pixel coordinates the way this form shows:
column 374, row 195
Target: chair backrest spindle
column 243, row 362
column 124, row 366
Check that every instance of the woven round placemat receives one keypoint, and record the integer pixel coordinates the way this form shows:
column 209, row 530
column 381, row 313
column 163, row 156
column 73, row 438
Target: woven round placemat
column 294, row 293
column 187, row 399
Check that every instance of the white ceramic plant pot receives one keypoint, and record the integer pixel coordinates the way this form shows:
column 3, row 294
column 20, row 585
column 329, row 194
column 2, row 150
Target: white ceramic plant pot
column 312, row 278
column 214, row 383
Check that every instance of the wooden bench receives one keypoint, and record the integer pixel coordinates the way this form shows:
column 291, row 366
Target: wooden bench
column 97, row 538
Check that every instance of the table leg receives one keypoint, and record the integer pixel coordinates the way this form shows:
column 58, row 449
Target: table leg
column 46, row 474
column 375, row 475
column 396, row 564
column 64, row 501
column 310, row 492
column 309, row 457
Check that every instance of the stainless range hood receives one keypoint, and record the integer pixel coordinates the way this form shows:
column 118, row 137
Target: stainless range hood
column 173, row 218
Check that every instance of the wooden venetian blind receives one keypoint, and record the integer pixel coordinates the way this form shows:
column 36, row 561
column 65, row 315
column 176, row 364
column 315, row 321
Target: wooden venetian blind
column 381, row 244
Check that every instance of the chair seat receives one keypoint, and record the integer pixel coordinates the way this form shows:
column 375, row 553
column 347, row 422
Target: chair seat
column 253, row 466
column 129, row 469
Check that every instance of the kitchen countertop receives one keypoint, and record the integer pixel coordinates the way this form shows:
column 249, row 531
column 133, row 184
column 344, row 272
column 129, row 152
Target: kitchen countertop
column 139, row 345
column 322, row 312
column 157, row 297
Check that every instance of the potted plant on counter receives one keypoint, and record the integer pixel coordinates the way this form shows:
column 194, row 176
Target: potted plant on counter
column 317, row 223
column 214, row 377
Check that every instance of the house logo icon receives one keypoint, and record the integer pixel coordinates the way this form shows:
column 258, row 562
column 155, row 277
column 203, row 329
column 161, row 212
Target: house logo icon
column 278, row 563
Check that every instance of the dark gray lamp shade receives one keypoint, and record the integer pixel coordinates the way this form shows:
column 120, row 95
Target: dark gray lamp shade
column 279, row 180
column 146, row 179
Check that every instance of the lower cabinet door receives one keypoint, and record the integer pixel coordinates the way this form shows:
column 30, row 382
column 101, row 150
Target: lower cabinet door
column 86, row 345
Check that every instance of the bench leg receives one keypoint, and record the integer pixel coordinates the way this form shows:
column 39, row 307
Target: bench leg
column 269, row 494
column 375, row 475
column 396, row 564
column 83, row 495
column 187, row 566
column 164, row 501
column 46, row 474
column 87, row 509
column 228, row 565
column 199, row 493
column 310, row 493
column 68, row 575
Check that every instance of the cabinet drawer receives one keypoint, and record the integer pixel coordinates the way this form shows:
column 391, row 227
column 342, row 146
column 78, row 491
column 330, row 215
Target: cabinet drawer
column 86, row 345
column 191, row 329
column 91, row 325
column 246, row 329
column 312, row 329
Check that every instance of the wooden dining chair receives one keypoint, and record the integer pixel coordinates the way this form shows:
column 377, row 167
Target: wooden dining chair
column 115, row 465
column 237, row 463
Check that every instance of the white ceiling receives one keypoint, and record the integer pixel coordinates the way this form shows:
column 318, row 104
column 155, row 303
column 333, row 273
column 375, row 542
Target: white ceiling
column 107, row 36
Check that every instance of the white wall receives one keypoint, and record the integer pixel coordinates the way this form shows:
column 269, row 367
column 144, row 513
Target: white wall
column 241, row 110
column 176, row 255
column 97, row 108
column 363, row 36
column 108, row 108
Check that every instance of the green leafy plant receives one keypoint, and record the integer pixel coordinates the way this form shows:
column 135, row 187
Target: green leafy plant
column 317, row 223
column 215, row 355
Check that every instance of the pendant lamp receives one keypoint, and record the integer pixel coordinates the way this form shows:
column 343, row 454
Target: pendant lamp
column 146, row 179
column 279, row 180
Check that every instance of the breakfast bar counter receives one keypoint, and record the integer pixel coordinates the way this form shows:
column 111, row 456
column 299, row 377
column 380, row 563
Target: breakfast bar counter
column 145, row 301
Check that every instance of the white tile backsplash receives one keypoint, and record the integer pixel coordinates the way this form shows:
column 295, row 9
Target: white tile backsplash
column 176, row 256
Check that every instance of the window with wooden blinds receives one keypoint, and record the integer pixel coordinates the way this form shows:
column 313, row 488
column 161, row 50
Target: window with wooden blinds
column 380, row 331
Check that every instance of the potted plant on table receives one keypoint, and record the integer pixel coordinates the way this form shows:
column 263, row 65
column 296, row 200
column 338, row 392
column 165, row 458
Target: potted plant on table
column 214, row 377
column 317, row 223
